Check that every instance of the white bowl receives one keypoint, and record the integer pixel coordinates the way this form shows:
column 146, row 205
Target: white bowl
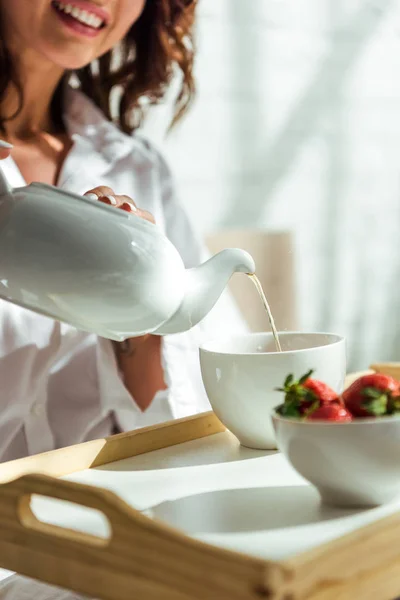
column 241, row 374
column 351, row 464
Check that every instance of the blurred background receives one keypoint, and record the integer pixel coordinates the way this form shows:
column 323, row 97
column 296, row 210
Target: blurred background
column 294, row 143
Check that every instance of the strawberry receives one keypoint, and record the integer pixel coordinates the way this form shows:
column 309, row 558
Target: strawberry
column 373, row 395
column 334, row 411
column 321, row 390
column 304, row 395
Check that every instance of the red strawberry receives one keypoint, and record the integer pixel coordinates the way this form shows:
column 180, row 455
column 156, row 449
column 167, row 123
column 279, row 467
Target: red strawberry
column 304, row 395
column 321, row 390
column 373, row 395
column 334, row 411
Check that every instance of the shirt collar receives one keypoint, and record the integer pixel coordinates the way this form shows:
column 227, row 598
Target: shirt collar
column 87, row 124
column 98, row 146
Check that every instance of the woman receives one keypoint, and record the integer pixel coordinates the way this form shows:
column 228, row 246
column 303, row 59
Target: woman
column 59, row 386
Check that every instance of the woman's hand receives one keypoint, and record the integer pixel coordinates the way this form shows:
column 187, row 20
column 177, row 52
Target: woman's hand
column 139, row 359
column 107, row 196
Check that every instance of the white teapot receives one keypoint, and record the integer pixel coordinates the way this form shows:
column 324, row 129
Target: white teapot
column 101, row 269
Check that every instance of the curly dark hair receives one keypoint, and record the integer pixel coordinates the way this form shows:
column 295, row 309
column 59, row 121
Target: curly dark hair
column 140, row 69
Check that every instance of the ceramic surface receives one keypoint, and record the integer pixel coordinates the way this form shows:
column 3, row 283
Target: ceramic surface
column 241, row 374
column 101, row 269
column 351, row 464
column 221, row 493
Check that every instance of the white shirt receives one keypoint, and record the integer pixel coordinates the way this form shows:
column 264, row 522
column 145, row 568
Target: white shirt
column 60, row 386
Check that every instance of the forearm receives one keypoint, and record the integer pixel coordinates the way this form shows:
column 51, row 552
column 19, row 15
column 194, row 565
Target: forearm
column 139, row 360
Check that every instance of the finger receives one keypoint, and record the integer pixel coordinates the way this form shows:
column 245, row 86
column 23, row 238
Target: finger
column 104, row 194
column 146, row 215
column 126, row 203
column 101, row 190
column 108, row 196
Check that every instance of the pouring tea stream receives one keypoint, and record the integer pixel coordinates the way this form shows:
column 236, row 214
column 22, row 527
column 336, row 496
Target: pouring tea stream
column 56, row 260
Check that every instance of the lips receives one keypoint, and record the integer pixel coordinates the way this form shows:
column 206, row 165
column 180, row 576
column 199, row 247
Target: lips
column 85, row 13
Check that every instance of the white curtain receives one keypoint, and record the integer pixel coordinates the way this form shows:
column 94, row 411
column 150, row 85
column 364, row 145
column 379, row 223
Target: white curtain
column 297, row 126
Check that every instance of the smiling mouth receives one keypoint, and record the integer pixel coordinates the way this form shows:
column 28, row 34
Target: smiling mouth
column 84, row 17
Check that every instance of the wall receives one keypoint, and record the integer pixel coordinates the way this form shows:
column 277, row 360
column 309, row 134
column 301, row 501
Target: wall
column 297, row 125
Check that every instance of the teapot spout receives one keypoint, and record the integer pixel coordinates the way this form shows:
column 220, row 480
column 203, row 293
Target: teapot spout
column 203, row 287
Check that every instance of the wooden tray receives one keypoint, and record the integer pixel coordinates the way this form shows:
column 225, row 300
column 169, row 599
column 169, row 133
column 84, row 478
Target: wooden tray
column 160, row 558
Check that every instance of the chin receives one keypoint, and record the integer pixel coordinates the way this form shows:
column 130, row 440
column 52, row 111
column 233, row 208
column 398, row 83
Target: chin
column 69, row 59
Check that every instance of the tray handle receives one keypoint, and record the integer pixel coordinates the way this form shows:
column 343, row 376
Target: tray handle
column 16, row 511
column 67, row 558
column 142, row 557
column 19, row 495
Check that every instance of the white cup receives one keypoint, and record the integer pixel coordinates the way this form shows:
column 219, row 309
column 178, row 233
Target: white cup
column 241, row 374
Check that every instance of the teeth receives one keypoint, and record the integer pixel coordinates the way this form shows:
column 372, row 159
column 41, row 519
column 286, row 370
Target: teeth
column 83, row 16
column 96, row 21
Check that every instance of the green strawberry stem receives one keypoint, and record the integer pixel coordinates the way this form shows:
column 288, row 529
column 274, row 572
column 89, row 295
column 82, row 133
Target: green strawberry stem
column 295, row 395
column 379, row 402
column 306, row 376
column 312, row 409
column 288, row 409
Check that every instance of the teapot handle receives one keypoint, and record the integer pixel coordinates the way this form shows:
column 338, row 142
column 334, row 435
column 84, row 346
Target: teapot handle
column 5, row 187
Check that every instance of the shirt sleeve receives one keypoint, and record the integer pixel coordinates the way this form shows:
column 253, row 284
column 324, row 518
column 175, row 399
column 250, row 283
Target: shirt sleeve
column 113, row 393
